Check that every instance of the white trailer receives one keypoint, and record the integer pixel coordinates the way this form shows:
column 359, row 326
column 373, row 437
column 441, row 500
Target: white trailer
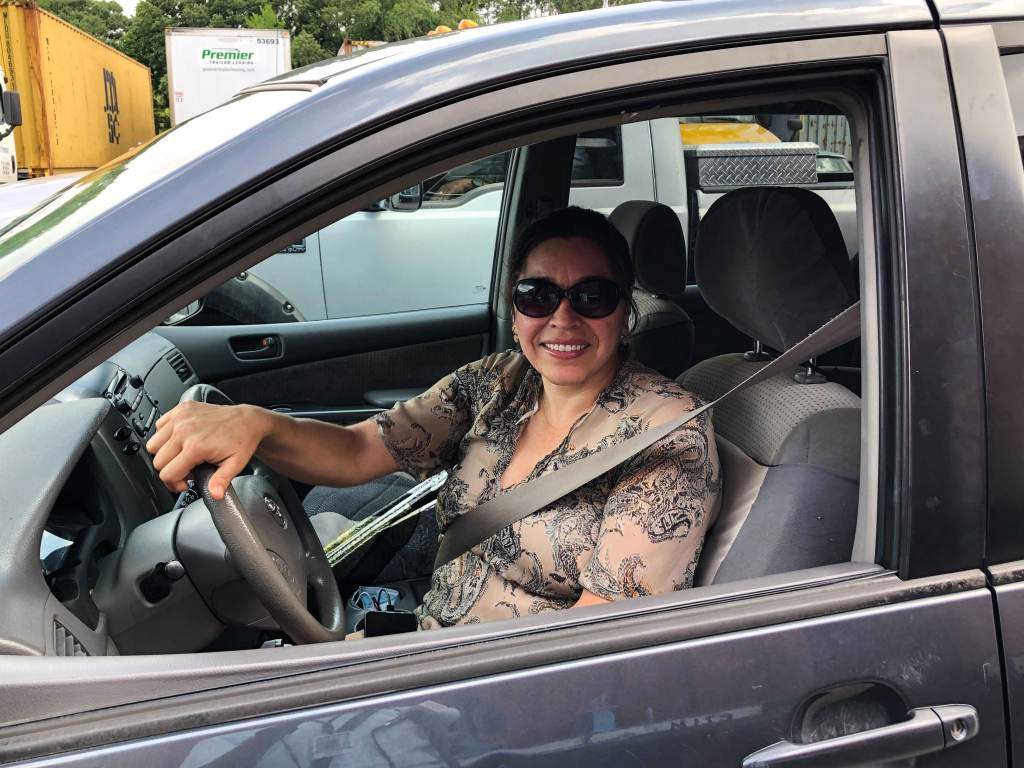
column 206, row 67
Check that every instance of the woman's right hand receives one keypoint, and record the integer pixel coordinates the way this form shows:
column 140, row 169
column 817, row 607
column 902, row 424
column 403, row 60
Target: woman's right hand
column 194, row 433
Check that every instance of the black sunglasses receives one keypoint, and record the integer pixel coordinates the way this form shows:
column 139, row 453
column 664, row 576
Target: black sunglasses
column 593, row 297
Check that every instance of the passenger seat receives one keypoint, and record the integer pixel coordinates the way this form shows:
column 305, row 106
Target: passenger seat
column 772, row 262
column 663, row 336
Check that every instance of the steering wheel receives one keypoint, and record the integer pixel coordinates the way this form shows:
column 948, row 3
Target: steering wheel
column 272, row 544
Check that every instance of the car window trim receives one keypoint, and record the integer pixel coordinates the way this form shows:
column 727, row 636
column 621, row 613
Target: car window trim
column 992, row 158
column 944, row 398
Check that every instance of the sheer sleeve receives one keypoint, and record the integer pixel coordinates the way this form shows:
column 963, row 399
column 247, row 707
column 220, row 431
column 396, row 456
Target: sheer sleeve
column 656, row 516
column 423, row 433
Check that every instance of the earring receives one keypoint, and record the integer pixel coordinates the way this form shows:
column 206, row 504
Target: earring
column 515, row 336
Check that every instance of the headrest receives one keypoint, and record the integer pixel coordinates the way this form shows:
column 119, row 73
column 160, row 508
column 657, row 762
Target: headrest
column 656, row 244
column 772, row 261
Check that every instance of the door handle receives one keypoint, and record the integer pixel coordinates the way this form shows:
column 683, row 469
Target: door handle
column 928, row 729
column 256, row 347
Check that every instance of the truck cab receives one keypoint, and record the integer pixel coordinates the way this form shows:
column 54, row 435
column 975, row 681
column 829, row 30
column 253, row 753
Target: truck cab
column 10, row 107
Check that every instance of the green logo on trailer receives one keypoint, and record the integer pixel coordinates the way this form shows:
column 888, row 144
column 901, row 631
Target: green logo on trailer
column 226, row 54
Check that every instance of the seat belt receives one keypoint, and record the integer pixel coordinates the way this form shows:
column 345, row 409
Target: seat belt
column 499, row 512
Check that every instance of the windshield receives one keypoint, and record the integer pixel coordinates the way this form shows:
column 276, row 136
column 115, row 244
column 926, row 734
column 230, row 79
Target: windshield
column 133, row 173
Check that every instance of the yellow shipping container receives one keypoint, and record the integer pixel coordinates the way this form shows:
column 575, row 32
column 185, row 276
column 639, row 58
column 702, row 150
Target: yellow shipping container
column 83, row 103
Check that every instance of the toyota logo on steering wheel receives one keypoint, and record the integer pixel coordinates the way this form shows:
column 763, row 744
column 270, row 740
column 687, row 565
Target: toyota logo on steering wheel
column 275, row 509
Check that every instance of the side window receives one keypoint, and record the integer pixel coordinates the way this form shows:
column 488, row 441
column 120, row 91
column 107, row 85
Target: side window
column 380, row 260
column 460, row 183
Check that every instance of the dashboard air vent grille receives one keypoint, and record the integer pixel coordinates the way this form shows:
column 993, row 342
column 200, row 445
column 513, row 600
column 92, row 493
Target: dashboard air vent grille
column 65, row 643
column 179, row 364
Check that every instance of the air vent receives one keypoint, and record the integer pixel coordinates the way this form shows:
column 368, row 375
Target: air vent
column 65, row 643
column 179, row 364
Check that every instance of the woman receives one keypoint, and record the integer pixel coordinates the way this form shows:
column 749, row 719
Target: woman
column 503, row 420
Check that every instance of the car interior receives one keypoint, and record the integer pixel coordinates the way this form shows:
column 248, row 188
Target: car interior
column 725, row 280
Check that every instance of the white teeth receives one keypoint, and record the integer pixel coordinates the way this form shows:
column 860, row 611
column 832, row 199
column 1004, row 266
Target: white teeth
column 566, row 347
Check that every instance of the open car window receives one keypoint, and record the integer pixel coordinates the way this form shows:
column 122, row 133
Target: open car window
column 348, row 304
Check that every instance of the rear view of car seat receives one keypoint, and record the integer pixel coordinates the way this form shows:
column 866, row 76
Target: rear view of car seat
column 663, row 336
column 772, row 262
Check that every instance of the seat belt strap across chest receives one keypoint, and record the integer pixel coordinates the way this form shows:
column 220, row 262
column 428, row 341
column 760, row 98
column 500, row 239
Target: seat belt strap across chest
column 501, row 511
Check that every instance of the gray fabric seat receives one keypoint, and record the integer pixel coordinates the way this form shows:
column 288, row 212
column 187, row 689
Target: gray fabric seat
column 662, row 338
column 772, row 261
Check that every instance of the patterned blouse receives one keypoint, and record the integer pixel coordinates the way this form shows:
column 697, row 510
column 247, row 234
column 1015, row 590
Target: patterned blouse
column 636, row 530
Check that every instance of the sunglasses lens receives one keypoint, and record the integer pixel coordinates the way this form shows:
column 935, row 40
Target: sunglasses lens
column 595, row 298
column 536, row 298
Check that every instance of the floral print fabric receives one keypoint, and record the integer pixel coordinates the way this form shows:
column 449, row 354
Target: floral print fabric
column 636, row 530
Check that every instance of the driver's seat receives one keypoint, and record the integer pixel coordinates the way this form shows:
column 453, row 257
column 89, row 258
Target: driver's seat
column 662, row 337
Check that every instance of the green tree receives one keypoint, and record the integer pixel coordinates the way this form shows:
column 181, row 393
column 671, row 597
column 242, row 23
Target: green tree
column 511, row 10
column 103, row 19
column 144, row 41
column 451, row 12
column 265, row 19
column 306, row 50
column 332, row 21
column 318, row 19
column 406, row 18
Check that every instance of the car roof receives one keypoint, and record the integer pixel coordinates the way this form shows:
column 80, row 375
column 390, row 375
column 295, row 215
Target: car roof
column 278, row 125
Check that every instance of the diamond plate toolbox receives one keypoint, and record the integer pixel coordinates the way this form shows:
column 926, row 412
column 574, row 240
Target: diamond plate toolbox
column 745, row 165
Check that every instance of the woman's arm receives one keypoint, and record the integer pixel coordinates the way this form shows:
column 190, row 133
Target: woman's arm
column 655, row 519
column 423, row 433
column 307, row 450
column 589, row 598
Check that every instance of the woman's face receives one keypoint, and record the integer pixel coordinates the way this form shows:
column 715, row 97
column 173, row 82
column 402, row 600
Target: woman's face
column 566, row 348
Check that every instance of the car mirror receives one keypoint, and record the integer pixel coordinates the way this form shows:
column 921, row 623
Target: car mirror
column 10, row 103
column 410, row 199
column 183, row 314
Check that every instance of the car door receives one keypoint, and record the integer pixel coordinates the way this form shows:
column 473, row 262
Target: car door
column 988, row 77
column 892, row 656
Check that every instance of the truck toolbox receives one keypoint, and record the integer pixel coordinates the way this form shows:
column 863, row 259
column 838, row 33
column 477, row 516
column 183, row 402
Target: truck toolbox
column 722, row 166
column 83, row 102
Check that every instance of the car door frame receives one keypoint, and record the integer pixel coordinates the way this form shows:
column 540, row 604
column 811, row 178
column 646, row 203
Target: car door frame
column 215, row 689
column 995, row 173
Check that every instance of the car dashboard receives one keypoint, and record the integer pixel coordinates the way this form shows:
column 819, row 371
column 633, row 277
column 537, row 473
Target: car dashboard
column 78, row 481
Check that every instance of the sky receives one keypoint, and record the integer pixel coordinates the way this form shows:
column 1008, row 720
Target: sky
column 129, row 6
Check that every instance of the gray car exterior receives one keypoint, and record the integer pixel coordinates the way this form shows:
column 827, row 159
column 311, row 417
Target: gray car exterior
column 708, row 678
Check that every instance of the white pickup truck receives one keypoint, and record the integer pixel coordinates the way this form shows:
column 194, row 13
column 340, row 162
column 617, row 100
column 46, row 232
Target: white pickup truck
column 444, row 249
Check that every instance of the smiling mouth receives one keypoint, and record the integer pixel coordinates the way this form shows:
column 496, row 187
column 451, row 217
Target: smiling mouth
column 564, row 347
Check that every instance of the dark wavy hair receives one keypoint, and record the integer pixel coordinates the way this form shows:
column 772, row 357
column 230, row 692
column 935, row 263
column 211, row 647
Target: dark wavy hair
column 577, row 222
